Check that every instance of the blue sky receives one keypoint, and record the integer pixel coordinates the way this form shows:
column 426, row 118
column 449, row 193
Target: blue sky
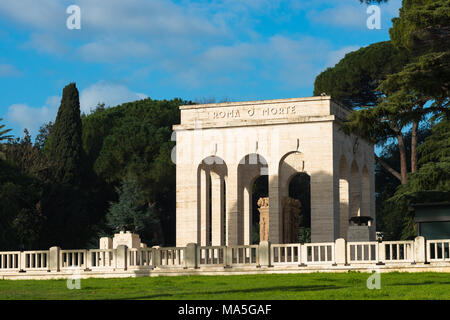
column 127, row 50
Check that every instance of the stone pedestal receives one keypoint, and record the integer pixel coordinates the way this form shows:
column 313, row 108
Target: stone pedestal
column 360, row 229
column 131, row 240
column 360, row 233
column 106, row 243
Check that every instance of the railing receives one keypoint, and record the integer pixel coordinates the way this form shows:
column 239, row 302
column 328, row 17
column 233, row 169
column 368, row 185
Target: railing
column 285, row 254
column 140, row 258
column 319, row 253
column 362, row 252
column 101, row 259
column 171, row 257
column 35, row 260
column 10, row 261
column 438, row 250
column 397, row 251
column 209, row 256
column 73, row 259
column 243, row 255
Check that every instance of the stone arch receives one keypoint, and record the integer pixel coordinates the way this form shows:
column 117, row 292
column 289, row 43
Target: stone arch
column 365, row 192
column 355, row 190
column 211, row 175
column 250, row 167
column 344, row 214
column 290, row 165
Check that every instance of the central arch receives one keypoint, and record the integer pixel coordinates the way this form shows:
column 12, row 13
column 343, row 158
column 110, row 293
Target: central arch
column 291, row 168
column 250, row 168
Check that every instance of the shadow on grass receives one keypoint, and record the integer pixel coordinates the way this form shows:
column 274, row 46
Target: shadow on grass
column 254, row 290
column 418, row 283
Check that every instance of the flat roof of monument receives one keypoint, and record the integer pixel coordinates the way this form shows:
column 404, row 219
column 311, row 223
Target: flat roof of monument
column 243, row 103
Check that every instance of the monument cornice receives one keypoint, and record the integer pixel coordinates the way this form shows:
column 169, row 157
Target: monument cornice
column 250, row 123
column 256, row 102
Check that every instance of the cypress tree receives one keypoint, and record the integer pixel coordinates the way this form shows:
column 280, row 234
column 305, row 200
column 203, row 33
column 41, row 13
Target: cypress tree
column 65, row 140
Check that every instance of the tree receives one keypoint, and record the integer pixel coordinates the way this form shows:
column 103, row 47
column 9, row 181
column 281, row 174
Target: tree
column 65, row 139
column 430, row 183
column 355, row 81
column 43, row 135
column 133, row 213
column 3, row 136
column 3, row 132
column 134, row 140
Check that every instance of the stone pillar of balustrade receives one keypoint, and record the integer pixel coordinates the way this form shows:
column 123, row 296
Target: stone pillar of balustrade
column 264, row 253
column 121, row 257
column 190, row 257
column 420, row 250
column 156, row 256
column 340, row 252
column 228, row 256
column 54, row 262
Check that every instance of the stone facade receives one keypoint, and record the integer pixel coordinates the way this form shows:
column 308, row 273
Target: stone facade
column 222, row 148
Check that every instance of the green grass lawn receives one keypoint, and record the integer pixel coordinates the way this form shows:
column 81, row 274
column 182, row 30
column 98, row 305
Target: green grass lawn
column 241, row 287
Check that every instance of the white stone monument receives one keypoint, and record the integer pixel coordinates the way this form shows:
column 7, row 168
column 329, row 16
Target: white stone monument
column 222, row 148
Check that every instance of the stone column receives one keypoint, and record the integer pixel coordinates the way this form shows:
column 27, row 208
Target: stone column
column 204, row 207
column 343, row 207
column 247, row 215
column 322, row 208
column 217, row 207
column 232, row 205
column 274, row 209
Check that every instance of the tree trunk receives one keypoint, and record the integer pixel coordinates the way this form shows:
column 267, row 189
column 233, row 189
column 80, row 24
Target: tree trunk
column 403, row 164
column 388, row 168
column 414, row 129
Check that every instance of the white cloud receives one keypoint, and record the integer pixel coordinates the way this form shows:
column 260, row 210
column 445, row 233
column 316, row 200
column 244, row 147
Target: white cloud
column 8, row 70
column 46, row 43
column 336, row 55
column 42, row 14
column 342, row 16
column 24, row 116
column 31, row 118
column 110, row 51
column 350, row 13
column 109, row 93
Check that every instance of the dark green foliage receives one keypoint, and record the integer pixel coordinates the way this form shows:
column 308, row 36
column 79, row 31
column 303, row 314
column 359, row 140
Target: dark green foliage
column 65, row 140
column 134, row 140
column 3, row 132
column 20, row 217
column 431, row 183
column 133, row 213
column 355, row 79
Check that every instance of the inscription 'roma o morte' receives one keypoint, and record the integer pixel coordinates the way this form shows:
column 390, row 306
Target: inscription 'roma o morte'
column 251, row 112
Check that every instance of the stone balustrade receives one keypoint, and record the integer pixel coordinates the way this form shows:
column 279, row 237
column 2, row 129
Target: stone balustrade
column 339, row 255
